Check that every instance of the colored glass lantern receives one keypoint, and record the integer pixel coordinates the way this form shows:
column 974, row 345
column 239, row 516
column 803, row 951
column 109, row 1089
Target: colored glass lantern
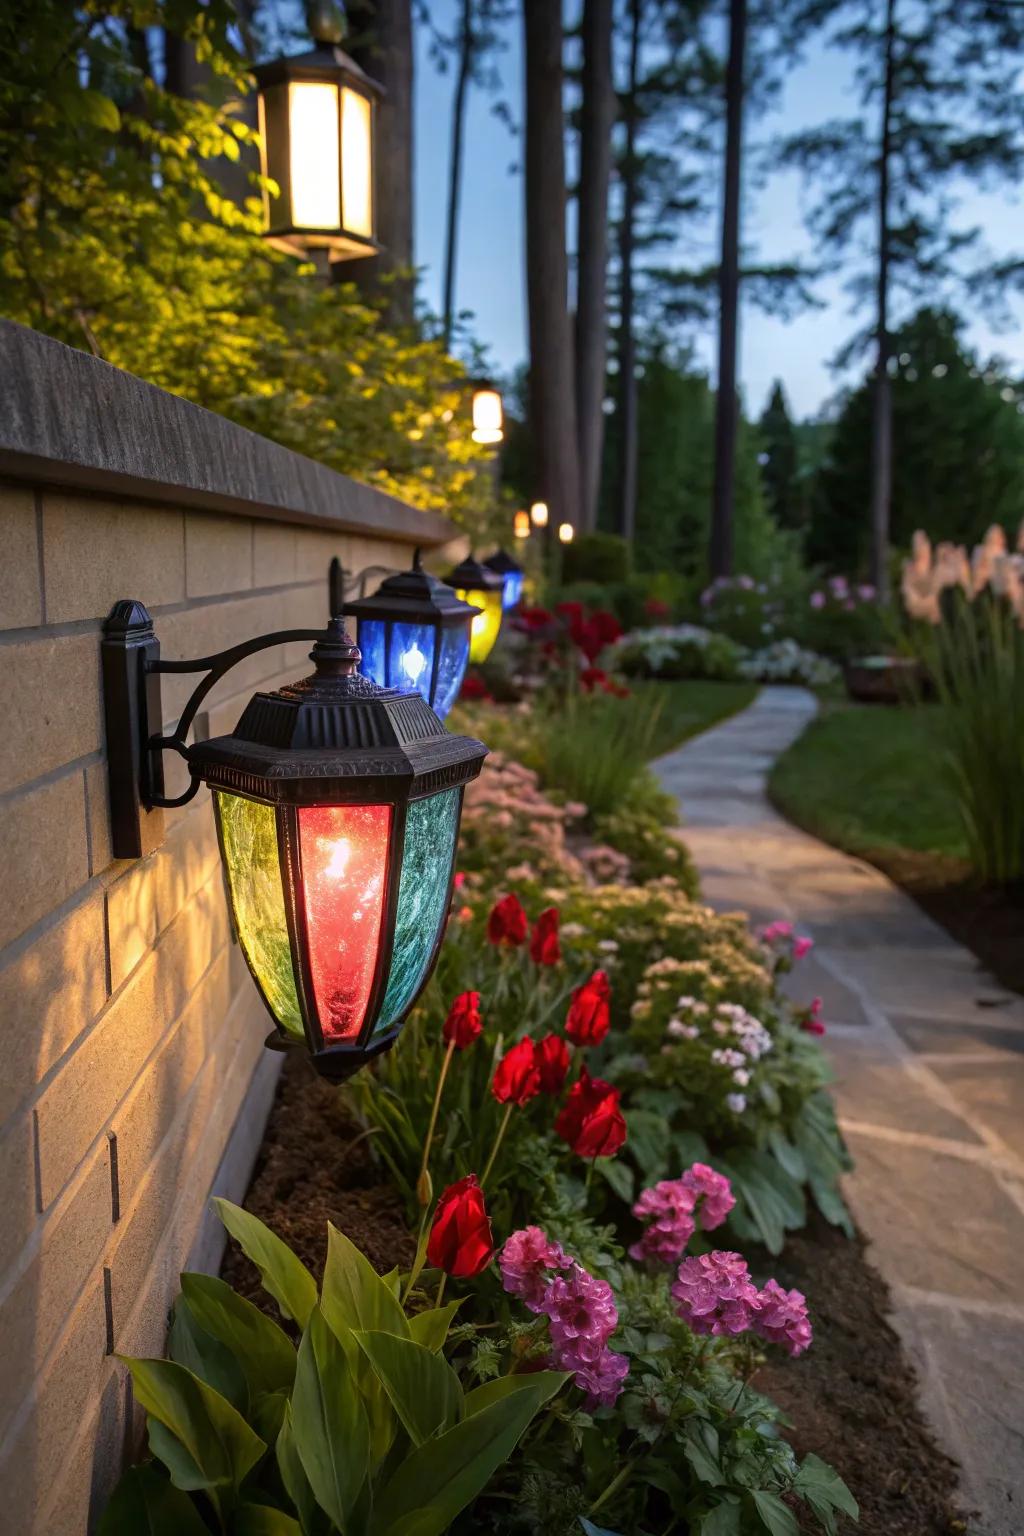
column 521, row 525
column 414, row 632
column 539, row 514
column 511, row 573
column 476, row 584
column 488, row 415
column 317, row 114
column 338, row 805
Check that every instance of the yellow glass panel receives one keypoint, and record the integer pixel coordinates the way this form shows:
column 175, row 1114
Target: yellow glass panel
column 313, row 141
column 248, row 834
column 356, row 163
column 483, row 631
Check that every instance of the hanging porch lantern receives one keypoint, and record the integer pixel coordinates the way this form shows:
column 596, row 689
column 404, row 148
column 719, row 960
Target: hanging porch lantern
column 475, row 584
column 414, row 632
column 317, row 115
column 488, row 415
column 511, row 573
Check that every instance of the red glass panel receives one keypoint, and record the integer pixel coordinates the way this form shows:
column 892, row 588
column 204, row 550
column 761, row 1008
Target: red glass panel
column 344, row 852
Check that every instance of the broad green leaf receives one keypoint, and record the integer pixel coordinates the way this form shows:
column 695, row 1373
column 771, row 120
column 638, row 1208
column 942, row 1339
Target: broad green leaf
column 182, row 1467
column 438, row 1480
column 701, row 1451
column 97, row 110
column 824, row 1490
column 144, row 1503
column 328, row 1421
column 354, row 1295
column 421, row 1386
column 489, row 1392
column 191, row 1346
column 263, row 1520
column 263, row 1351
column 647, row 1143
column 775, row 1516
column 619, row 1176
column 790, row 1158
column 393, row 1278
column 293, row 1474
column 431, row 1327
column 267, row 1415
column 284, row 1275
column 723, row 1520
column 215, row 1436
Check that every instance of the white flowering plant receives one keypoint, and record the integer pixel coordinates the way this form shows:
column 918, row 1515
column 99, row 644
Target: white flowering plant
column 675, row 651
column 784, row 661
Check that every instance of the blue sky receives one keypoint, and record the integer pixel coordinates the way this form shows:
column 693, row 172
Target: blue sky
column 490, row 259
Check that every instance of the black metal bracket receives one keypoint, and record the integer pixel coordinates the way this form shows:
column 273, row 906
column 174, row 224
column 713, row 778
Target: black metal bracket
column 132, row 670
column 341, row 586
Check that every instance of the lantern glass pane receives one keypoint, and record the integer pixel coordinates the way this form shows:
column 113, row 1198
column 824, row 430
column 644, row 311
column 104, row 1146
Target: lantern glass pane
column 512, row 590
column 356, row 162
column 344, row 854
column 411, row 657
column 430, row 831
column 483, row 631
column 371, row 644
column 313, row 150
column 249, row 837
column 451, row 667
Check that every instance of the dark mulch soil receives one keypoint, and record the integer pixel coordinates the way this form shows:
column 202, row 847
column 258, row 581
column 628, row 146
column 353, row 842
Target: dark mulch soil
column 851, row 1398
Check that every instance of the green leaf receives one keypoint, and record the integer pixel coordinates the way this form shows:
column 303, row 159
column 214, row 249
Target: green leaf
column 267, row 1415
column 776, row 1516
column 421, row 1386
column 647, row 1143
column 618, row 1175
column 431, row 1327
column 725, row 1519
column 284, row 1275
column 329, row 1422
column 433, row 1485
column 500, row 1387
column 214, row 1435
column 293, row 1474
column 354, row 1295
column 263, row 1520
column 824, row 1490
column 191, row 1346
column 181, row 1465
column 790, row 1158
column 145, row 1503
column 97, row 110
column 262, row 1350
column 701, row 1451
column 595, row 1530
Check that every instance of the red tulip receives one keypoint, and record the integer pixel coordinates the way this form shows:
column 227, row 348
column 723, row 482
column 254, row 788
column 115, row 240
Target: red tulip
column 517, row 1075
column 463, row 1024
column 507, row 922
column 551, row 1056
column 544, row 946
column 591, row 1121
column 589, row 1014
column 461, row 1242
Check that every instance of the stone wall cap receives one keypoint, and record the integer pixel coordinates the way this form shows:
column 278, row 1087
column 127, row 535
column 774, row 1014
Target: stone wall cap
column 69, row 419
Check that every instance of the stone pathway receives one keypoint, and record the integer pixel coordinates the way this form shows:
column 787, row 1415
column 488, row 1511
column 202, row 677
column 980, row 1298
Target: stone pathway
column 928, row 1053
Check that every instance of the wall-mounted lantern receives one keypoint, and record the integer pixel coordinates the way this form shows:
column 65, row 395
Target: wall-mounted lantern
column 539, row 514
column 511, row 573
column 414, row 632
column 488, row 415
column 521, row 525
column 475, row 584
column 566, row 533
column 337, row 805
column 317, row 115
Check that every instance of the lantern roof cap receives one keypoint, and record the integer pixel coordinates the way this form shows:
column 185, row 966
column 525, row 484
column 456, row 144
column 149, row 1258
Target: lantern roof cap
column 471, row 575
column 411, row 597
column 504, row 563
column 336, row 737
column 327, row 61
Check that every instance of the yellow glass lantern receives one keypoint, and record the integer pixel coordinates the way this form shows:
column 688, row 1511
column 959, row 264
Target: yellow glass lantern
column 484, row 588
column 488, row 415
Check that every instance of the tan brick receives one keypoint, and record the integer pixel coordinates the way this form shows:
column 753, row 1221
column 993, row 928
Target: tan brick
column 69, row 1245
column 18, row 1182
column 273, row 554
column 48, row 995
column 131, row 920
column 97, row 794
column 314, row 551
column 21, row 601
column 50, row 701
column 78, row 1103
column 46, row 857
column 212, row 627
column 218, row 554
column 96, row 551
column 149, row 896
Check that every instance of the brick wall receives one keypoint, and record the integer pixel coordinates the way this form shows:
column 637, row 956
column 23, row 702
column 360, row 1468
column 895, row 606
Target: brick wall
column 134, row 1078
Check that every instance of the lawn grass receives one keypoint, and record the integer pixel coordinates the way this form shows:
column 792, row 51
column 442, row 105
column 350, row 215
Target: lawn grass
column 688, row 708
column 870, row 779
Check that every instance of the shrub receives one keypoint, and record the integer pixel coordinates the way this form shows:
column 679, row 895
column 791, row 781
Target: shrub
column 596, row 557
column 753, row 612
column 676, row 651
column 842, row 620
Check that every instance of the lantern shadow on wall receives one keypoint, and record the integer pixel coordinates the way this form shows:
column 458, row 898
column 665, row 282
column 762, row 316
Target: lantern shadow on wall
column 337, row 805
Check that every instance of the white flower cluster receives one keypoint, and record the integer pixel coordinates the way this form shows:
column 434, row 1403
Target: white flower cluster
column 752, row 1040
column 660, row 643
column 786, row 662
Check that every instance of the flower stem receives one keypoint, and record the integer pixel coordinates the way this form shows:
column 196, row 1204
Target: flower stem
column 420, row 1182
column 440, row 1290
column 613, row 1487
column 502, row 1128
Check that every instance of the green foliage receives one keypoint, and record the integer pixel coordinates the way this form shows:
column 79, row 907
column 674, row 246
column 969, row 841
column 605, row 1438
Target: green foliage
column 599, row 557
column 365, row 1431
column 779, row 460
column 594, row 748
column 654, row 851
column 678, row 651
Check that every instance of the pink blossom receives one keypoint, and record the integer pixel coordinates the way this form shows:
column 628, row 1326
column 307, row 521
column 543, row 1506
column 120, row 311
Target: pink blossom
column 669, row 1206
column 603, row 1380
column 524, row 1262
column 718, row 1198
column 810, row 1019
column 581, row 1308
column 715, row 1294
column 802, row 945
column 817, row 600
column 780, row 929
column 782, row 1318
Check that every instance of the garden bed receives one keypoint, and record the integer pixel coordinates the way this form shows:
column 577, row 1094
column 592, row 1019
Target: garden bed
column 852, row 1398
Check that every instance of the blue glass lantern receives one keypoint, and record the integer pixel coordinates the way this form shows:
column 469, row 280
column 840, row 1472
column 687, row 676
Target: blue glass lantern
column 513, row 575
column 414, row 632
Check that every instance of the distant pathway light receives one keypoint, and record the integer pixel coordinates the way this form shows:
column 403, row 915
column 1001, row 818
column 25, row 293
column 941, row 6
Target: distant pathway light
column 488, row 415
column 566, row 533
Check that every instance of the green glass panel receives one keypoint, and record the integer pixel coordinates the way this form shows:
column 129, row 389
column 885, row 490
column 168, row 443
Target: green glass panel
column 430, row 830
column 249, row 835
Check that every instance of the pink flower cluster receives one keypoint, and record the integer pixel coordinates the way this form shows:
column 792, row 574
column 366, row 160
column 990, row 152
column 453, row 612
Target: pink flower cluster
column 788, row 945
column 671, row 1209
column 714, row 1294
column 580, row 1308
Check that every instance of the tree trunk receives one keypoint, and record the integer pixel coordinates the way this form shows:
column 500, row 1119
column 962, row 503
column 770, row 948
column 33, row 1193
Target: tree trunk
column 552, row 383
column 726, row 402
column 628, row 413
column 382, row 44
column 881, row 419
column 597, row 116
column 455, row 167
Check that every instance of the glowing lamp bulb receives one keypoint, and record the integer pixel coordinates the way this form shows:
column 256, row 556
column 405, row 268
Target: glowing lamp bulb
column 413, row 662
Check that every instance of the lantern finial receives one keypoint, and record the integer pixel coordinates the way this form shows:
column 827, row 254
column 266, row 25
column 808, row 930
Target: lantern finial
column 326, row 21
column 335, row 654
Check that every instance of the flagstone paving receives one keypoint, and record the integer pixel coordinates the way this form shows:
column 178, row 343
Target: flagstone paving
column 928, row 1054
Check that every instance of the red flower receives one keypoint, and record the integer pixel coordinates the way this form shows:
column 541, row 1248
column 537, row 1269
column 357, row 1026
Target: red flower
column 593, row 677
column 544, row 946
column 810, row 1019
column 517, row 1075
column 657, row 608
column 590, row 1120
column 507, row 922
column 533, row 619
column 461, row 1242
column 463, row 1024
column 606, row 626
column 589, row 1015
column 474, row 687
column 551, row 1058
column 459, row 879
column 571, row 612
